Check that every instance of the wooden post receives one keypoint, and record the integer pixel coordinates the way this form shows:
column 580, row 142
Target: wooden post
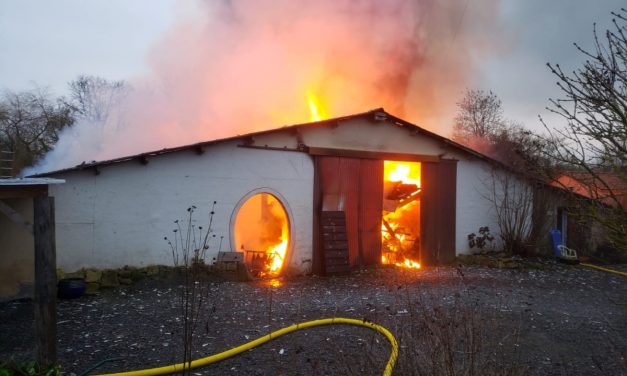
column 45, row 281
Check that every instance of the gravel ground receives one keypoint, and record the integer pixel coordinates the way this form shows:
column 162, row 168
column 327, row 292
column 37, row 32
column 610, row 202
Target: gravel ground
column 555, row 321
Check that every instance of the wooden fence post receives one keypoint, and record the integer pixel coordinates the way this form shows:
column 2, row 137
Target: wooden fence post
column 45, row 280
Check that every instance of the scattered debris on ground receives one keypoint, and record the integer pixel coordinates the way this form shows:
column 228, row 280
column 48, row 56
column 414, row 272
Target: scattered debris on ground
column 548, row 320
column 503, row 260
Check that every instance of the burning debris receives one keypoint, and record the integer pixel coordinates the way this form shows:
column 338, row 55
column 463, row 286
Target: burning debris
column 400, row 229
column 262, row 234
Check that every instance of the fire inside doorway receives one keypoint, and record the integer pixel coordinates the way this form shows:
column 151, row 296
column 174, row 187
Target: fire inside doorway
column 400, row 229
column 262, row 233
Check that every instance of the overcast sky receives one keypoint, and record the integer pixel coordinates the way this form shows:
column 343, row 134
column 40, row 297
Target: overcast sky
column 48, row 43
column 541, row 31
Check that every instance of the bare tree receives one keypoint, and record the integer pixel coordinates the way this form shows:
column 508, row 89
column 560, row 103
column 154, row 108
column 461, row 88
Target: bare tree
column 512, row 199
column 519, row 148
column 30, row 123
column 480, row 116
column 593, row 144
column 189, row 247
column 92, row 98
column 480, row 125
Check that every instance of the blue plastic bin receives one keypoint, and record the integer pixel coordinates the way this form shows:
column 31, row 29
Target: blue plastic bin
column 556, row 239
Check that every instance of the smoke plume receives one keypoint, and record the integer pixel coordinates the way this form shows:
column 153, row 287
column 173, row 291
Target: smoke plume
column 240, row 66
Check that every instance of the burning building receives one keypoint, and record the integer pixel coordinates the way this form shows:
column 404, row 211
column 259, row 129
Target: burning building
column 320, row 197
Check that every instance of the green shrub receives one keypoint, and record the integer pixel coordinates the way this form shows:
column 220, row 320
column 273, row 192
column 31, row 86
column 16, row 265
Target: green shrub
column 28, row 368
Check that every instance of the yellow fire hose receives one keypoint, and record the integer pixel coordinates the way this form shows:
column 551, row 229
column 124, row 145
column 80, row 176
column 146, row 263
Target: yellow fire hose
column 604, row 269
column 165, row 370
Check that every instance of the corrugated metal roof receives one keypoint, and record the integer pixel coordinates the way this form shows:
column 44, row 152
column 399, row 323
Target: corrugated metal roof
column 378, row 114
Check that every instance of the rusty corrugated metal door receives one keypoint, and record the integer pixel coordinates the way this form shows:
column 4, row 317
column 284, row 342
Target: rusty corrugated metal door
column 349, row 196
column 438, row 203
column 354, row 186
column 339, row 183
column 370, row 210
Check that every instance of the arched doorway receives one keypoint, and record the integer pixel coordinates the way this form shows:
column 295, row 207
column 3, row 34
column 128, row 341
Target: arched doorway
column 261, row 230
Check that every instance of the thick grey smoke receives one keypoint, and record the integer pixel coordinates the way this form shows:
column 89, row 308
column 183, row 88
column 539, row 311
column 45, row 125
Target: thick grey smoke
column 241, row 66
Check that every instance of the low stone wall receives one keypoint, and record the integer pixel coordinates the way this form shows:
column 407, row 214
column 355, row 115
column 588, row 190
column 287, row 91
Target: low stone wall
column 110, row 278
column 97, row 279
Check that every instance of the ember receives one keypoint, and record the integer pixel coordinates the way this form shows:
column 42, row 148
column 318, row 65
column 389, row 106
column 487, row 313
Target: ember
column 262, row 233
column 273, row 282
column 400, row 229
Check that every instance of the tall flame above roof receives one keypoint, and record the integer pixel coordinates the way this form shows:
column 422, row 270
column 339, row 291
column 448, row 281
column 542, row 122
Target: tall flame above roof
column 234, row 67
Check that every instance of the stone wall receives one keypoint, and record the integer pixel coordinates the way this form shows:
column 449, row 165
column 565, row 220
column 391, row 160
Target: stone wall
column 97, row 279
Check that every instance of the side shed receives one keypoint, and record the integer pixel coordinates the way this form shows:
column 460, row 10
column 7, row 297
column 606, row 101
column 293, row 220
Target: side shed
column 28, row 253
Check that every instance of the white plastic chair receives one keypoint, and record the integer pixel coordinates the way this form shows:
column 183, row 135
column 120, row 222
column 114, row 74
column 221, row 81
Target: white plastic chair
column 567, row 253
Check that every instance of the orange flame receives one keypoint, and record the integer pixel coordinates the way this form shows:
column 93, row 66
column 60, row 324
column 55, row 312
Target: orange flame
column 404, row 172
column 409, row 264
column 277, row 256
column 276, row 253
column 316, row 112
column 396, row 230
column 262, row 233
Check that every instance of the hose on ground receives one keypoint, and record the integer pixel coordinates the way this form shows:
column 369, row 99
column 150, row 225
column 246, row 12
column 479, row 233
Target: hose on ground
column 201, row 362
column 100, row 363
column 603, row 269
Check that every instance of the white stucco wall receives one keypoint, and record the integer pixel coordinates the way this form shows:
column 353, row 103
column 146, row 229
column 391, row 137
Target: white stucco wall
column 363, row 135
column 477, row 183
column 473, row 210
column 121, row 216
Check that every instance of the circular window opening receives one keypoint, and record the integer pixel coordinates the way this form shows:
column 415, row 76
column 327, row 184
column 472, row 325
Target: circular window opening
column 261, row 232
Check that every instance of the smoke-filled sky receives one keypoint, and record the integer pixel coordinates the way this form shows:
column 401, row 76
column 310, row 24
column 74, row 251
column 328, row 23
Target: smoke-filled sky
column 208, row 69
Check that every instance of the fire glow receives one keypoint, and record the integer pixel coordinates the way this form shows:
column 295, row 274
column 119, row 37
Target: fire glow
column 233, row 67
column 276, row 257
column 316, row 112
column 400, row 229
column 262, row 234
